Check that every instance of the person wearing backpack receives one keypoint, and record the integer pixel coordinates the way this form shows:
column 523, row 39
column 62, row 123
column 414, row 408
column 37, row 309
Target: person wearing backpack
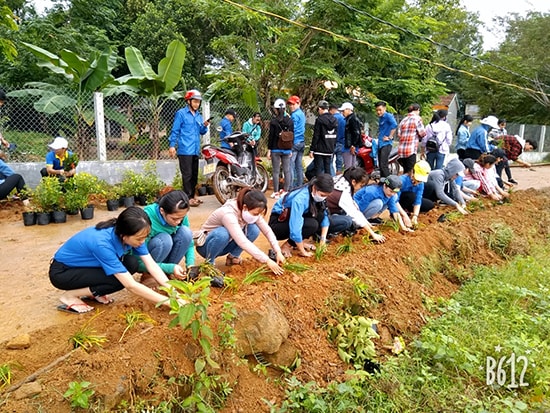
column 279, row 147
column 438, row 139
column 324, row 139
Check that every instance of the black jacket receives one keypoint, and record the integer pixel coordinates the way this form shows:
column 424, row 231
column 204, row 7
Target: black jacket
column 278, row 124
column 324, row 134
column 353, row 132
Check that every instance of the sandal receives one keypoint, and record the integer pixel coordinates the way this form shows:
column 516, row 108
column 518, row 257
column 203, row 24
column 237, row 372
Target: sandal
column 194, row 203
column 231, row 260
column 102, row 299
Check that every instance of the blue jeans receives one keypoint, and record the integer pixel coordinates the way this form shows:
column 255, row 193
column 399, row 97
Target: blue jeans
column 435, row 159
column 338, row 158
column 339, row 223
column 375, row 208
column 219, row 242
column 296, row 167
column 168, row 248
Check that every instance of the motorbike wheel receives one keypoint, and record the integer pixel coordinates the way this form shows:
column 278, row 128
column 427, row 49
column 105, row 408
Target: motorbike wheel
column 262, row 178
column 222, row 189
column 395, row 167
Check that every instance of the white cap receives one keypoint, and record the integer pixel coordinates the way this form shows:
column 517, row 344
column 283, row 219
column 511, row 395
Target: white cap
column 491, row 121
column 345, row 106
column 59, row 143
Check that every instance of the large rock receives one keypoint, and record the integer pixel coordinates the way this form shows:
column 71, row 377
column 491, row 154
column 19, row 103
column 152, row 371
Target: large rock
column 261, row 330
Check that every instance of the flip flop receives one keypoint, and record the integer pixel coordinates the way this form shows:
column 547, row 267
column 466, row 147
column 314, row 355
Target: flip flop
column 194, row 203
column 70, row 308
column 102, row 299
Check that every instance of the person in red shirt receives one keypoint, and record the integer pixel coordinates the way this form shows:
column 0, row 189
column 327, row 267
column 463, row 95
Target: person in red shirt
column 513, row 146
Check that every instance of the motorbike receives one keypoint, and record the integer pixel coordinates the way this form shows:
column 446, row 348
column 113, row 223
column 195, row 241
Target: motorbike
column 235, row 168
column 366, row 161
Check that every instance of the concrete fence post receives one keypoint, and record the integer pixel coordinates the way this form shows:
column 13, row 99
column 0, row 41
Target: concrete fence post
column 100, row 126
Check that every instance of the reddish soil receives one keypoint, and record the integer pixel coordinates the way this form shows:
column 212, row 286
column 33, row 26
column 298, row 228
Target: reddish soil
column 139, row 366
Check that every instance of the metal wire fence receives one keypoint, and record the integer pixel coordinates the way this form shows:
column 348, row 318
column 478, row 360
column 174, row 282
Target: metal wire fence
column 131, row 133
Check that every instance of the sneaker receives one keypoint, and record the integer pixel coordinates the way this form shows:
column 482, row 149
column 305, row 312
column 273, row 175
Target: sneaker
column 275, row 195
column 376, row 221
column 512, row 181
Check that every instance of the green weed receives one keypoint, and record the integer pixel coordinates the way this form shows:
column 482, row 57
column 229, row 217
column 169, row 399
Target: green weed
column 79, row 394
column 499, row 238
column 226, row 330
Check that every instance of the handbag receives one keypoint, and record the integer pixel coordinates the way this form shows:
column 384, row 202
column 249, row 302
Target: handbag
column 199, row 237
column 284, row 215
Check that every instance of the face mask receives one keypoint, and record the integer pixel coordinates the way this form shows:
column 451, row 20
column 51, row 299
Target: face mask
column 249, row 218
column 318, row 198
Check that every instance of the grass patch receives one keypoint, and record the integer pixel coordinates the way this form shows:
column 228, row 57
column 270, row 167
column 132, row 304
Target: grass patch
column 501, row 314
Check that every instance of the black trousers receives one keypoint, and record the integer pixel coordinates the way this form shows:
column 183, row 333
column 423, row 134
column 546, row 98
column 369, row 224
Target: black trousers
column 73, row 278
column 189, row 168
column 406, row 200
column 407, row 163
column 383, row 160
column 12, row 181
column 282, row 229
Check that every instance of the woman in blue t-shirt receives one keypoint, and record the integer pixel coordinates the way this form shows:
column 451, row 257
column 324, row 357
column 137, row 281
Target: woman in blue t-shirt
column 97, row 261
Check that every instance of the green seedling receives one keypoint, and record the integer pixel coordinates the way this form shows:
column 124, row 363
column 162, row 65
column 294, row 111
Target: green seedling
column 346, row 247
column 320, row 251
column 132, row 319
column 5, row 375
column 295, row 267
column 257, row 276
column 86, row 337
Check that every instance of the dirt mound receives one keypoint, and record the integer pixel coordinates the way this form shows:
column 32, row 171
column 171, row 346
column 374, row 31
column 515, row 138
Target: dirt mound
column 401, row 275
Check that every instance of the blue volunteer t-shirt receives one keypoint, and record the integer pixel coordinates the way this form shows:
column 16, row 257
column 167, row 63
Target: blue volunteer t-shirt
column 97, row 248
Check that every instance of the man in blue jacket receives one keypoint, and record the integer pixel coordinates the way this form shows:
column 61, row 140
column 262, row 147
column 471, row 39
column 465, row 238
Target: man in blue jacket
column 186, row 135
column 478, row 142
column 386, row 131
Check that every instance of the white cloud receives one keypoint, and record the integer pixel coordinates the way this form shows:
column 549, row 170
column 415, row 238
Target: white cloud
column 488, row 9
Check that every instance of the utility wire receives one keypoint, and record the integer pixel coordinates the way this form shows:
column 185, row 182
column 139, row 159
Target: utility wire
column 452, row 49
column 383, row 48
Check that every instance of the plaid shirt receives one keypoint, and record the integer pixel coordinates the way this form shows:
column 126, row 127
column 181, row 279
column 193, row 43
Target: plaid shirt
column 410, row 131
column 511, row 146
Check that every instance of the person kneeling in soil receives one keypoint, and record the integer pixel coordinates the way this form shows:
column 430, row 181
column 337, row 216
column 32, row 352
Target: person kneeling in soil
column 344, row 212
column 170, row 238
column 234, row 227
column 411, row 197
column 95, row 262
column 302, row 213
column 373, row 200
column 440, row 179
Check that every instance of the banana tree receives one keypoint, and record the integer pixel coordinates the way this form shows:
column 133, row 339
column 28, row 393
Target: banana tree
column 156, row 88
column 84, row 77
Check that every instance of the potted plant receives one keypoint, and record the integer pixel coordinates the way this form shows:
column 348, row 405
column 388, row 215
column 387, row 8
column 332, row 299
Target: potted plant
column 47, row 197
column 112, row 196
column 152, row 184
column 130, row 185
column 78, row 190
column 29, row 214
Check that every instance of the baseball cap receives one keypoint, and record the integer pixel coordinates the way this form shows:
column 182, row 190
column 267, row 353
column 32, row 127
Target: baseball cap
column 421, row 171
column 231, row 112
column 345, row 106
column 59, row 143
column 393, row 182
column 293, row 100
column 323, row 104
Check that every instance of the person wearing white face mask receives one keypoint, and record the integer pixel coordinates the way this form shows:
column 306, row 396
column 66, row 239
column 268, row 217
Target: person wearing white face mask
column 301, row 214
column 234, row 227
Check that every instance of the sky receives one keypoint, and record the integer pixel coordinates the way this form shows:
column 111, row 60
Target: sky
column 487, row 9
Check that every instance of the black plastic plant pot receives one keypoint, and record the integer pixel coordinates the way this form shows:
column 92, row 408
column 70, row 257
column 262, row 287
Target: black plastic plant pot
column 29, row 218
column 127, row 201
column 202, row 190
column 112, row 204
column 87, row 213
column 210, row 190
column 42, row 218
column 59, row 217
column 141, row 200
